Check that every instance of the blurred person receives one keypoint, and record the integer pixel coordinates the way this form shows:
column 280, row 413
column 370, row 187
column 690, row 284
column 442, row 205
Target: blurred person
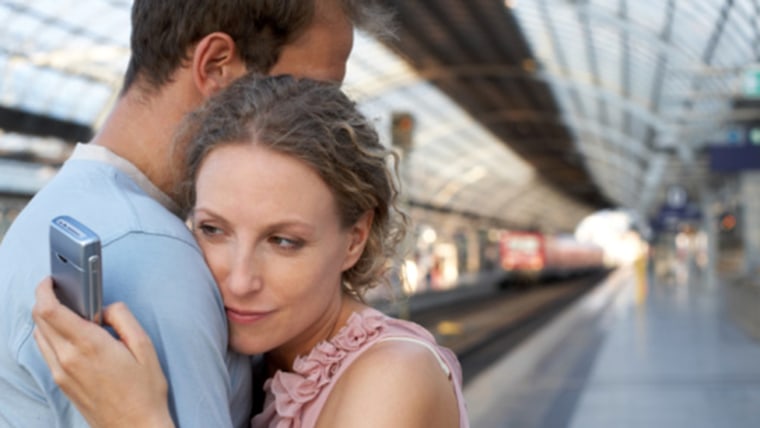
column 294, row 207
column 120, row 185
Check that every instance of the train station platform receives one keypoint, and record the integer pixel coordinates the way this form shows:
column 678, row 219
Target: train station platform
column 634, row 352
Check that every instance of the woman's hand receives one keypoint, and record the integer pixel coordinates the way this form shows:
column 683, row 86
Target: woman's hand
column 113, row 383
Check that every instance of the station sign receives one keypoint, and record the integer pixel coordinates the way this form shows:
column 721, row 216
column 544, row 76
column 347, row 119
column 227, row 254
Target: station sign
column 736, row 149
column 751, row 82
column 734, row 158
column 670, row 218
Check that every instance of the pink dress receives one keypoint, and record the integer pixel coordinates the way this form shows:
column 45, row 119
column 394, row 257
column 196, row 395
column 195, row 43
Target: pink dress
column 295, row 399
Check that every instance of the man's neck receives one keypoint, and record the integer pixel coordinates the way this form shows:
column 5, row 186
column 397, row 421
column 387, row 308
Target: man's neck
column 140, row 130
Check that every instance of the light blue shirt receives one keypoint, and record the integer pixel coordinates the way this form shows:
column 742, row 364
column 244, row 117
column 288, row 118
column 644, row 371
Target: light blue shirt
column 152, row 263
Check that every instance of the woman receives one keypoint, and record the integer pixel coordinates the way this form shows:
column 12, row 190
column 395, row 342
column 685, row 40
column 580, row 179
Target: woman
column 293, row 205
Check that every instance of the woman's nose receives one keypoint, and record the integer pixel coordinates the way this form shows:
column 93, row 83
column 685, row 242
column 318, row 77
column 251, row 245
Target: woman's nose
column 244, row 276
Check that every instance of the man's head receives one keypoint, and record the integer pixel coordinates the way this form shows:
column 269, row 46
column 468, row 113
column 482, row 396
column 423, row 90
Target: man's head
column 310, row 38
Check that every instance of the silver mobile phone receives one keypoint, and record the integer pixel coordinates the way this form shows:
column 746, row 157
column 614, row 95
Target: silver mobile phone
column 75, row 263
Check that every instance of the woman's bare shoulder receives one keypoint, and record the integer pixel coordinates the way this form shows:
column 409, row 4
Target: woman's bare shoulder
column 394, row 383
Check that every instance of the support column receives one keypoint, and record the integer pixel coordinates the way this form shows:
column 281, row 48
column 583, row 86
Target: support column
column 710, row 215
column 749, row 190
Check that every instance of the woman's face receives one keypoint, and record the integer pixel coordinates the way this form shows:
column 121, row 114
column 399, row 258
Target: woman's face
column 270, row 232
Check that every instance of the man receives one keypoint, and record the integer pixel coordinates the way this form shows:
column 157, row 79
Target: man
column 122, row 185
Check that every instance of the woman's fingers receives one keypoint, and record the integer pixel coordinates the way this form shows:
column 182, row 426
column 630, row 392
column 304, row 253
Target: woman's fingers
column 86, row 360
column 48, row 353
column 60, row 331
column 71, row 340
column 66, row 341
column 131, row 333
column 59, row 320
column 59, row 323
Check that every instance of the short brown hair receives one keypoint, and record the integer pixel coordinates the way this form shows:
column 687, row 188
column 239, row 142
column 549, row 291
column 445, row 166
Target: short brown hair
column 163, row 31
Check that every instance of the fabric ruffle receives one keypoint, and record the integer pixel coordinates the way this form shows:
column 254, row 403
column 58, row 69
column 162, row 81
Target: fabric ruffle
column 288, row 392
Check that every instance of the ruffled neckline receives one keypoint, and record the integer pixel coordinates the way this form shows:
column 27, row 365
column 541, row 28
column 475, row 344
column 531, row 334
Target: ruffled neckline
column 288, row 392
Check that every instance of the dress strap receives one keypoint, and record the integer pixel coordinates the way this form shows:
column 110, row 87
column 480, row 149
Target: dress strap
column 428, row 345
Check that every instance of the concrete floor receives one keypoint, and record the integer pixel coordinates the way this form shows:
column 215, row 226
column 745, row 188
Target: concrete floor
column 636, row 352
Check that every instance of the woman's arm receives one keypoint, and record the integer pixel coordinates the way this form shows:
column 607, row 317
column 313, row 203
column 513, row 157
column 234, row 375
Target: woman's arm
column 112, row 382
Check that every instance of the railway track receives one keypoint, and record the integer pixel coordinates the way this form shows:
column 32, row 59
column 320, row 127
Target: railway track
column 482, row 330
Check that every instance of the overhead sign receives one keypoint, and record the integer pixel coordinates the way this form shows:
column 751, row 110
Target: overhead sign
column 671, row 218
column 737, row 148
column 752, row 81
column 734, row 158
column 676, row 197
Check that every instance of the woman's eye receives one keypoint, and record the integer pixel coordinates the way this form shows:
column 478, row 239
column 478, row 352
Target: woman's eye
column 209, row 230
column 286, row 243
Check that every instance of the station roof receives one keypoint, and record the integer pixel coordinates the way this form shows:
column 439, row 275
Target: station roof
column 533, row 113
column 612, row 101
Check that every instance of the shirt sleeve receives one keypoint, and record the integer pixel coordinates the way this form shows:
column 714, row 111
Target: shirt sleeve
column 167, row 285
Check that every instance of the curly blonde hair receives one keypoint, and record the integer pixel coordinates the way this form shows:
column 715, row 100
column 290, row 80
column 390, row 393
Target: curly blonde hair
column 318, row 124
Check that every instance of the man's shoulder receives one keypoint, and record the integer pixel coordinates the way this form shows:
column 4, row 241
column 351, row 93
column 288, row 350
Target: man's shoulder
column 107, row 201
column 142, row 242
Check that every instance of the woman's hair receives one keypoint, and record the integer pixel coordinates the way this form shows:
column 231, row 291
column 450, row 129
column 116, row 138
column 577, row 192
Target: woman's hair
column 319, row 125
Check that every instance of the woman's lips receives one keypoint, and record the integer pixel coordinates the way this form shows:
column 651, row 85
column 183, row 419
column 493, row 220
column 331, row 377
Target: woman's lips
column 244, row 317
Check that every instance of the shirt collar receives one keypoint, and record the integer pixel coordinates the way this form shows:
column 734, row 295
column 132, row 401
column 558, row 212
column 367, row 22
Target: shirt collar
column 102, row 154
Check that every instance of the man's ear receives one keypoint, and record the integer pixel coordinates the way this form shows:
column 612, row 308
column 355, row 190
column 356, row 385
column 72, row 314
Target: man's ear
column 358, row 236
column 216, row 63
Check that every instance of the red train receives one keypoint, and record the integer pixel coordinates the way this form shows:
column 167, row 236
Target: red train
column 533, row 256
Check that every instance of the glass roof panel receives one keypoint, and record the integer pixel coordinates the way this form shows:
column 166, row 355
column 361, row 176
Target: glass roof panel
column 643, row 66
column 666, row 73
column 649, row 15
column 452, row 158
column 65, row 60
column 689, row 29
